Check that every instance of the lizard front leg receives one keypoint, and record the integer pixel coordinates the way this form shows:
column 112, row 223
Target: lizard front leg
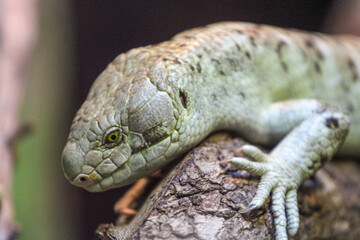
column 312, row 133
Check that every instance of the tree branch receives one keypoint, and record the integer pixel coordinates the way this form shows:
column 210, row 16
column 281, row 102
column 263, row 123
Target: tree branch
column 201, row 200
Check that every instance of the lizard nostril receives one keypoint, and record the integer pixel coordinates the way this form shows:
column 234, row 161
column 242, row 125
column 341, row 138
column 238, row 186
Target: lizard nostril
column 82, row 180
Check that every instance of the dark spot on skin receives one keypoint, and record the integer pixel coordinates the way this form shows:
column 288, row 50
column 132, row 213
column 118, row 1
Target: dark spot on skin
column 198, row 67
column 237, row 47
column 199, row 56
column 280, row 45
column 207, row 50
column 319, row 54
column 247, row 54
column 252, row 40
column 355, row 76
column 309, row 43
column 332, row 122
column 350, row 108
column 192, row 68
column 222, row 73
column 239, row 31
column 317, row 67
column 231, row 61
column 215, row 60
column 176, row 61
column 352, row 67
column 183, row 99
column 242, row 94
column 183, row 45
column 284, row 66
column 214, row 96
column 351, row 63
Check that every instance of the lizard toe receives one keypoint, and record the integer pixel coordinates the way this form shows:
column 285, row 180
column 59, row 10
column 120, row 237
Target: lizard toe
column 278, row 210
column 256, row 168
column 254, row 153
column 292, row 212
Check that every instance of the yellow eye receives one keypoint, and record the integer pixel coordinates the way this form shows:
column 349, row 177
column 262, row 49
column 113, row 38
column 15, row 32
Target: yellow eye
column 112, row 137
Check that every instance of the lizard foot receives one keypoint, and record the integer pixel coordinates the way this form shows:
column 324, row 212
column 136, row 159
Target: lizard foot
column 278, row 177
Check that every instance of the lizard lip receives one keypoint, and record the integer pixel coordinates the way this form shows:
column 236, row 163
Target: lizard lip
column 94, row 188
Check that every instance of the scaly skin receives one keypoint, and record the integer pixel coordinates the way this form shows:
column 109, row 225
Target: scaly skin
column 268, row 84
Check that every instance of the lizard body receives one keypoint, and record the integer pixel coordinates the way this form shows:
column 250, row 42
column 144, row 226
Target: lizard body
column 293, row 90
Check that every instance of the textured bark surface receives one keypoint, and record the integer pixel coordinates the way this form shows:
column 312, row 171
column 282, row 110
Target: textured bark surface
column 200, row 199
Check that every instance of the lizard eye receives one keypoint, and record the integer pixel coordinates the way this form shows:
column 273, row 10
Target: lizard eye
column 112, row 137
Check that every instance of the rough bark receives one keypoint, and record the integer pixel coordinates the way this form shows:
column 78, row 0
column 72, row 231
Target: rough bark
column 200, row 199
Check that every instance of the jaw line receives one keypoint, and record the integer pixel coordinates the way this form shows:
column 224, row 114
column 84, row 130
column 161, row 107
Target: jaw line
column 96, row 187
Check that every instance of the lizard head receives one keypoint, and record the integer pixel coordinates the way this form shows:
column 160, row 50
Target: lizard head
column 125, row 129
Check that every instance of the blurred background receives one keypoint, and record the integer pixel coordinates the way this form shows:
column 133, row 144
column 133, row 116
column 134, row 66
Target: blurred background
column 75, row 41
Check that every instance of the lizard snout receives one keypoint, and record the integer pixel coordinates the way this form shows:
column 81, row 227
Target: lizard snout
column 72, row 161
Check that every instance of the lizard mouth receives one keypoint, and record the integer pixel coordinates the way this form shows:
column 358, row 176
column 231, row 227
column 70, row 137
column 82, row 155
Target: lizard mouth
column 94, row 188
column 93, row 182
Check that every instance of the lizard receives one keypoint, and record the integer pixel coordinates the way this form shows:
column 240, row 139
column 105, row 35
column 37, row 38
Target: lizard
column 292, row 90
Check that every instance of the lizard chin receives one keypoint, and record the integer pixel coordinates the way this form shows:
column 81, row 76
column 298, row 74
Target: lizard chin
column 94, row 188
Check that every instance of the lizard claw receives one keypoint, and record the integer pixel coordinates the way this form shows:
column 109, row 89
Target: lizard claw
column 249, row 208
column 278, row 178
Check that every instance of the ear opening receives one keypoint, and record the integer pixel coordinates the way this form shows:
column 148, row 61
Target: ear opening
column 183, row 98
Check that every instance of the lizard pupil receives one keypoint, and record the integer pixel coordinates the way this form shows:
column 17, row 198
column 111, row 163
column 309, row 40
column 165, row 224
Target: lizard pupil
column 112, row 137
